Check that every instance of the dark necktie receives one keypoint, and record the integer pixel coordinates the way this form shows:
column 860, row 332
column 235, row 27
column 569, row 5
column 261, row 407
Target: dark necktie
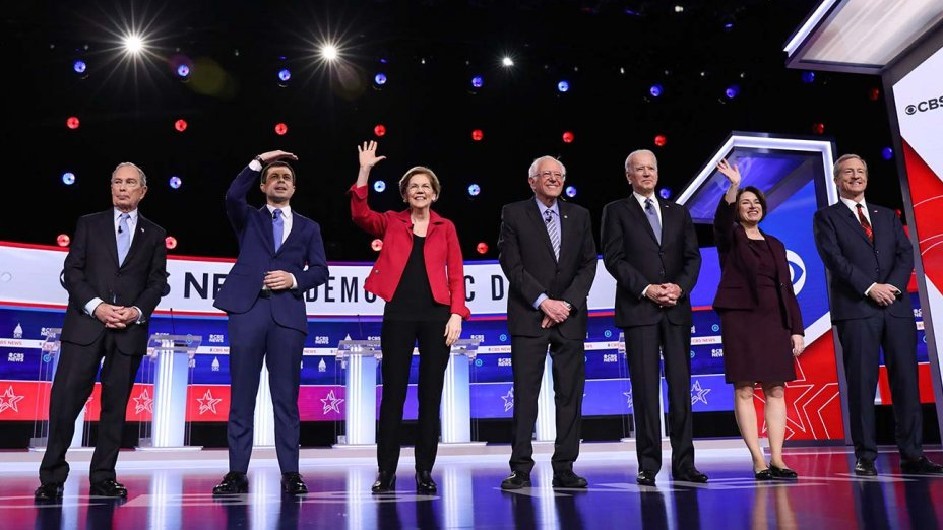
column 278, row 227
column 868, row 231
column 653, row 219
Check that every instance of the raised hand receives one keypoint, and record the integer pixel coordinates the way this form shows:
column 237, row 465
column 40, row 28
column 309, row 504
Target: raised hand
column 730, row 171
column 271, row 156
column 368, row 154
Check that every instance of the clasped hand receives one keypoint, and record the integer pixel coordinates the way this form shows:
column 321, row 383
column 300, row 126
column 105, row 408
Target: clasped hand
column 883, row 294
column 664, row 294
column 555, row 312
column 115, row 316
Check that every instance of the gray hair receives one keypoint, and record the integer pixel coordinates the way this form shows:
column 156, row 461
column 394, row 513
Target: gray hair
column 532, row 171
column 131, row 164
column 842, row 158
column 640, row 152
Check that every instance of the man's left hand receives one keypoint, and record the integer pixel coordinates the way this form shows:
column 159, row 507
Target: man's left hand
column 276, row 280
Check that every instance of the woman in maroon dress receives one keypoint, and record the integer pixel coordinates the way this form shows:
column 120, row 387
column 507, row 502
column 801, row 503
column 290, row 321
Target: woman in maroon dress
column 761, row 326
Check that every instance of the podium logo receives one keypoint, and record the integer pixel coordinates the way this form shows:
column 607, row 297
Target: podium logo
column 924, row 106
column 797, row 270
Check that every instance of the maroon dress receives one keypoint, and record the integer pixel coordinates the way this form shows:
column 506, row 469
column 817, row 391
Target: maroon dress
column 757, row 343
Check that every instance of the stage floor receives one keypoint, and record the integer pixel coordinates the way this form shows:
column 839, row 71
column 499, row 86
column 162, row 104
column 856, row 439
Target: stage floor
column 169, row 490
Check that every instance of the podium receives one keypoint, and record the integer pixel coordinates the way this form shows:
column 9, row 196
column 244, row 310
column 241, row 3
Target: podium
column 359, row 359
column 51, row 348
column 169, row 357
column 661, row 395
column 455, row 409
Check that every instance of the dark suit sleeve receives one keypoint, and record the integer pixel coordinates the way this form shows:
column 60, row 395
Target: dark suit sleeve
column 317, row 271
column 76, row 261
column 509, row 256
column 237, row 208
column 156, row 275
column 724, row 226
column 903, row 257
column 613, row 251
column 826, row 242
column 691, row 257
column 578, row 289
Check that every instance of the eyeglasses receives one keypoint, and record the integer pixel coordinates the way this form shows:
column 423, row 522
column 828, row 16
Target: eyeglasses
column 555, row 174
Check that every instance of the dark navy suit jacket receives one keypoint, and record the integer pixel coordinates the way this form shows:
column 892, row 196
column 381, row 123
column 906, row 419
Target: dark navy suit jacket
column 302, row 254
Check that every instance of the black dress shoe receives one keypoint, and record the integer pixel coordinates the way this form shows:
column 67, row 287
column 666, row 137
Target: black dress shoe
column 424, row 482
column 292, row 483
column 645, row 477
column 568, row 479
column 48, row 492
column 763, row 474
column 516, row 480
column 108, row 488
column 782, row 472
column 693, row 475
column 921, row 466
column 865, row 468
column 385, row 482
column 233, row 483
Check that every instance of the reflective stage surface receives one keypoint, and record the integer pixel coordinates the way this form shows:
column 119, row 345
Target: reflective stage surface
column 167, row 492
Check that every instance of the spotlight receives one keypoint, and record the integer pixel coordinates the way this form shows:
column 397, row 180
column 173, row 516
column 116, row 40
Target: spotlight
column 80, row 68
column 732, row 91
column 379, row 130
column 180, row 125
column 379, row 186
column 376, row 245
column 808, row 77
column 477, row 81
column 133, row 44
column 281, row 129
column 568, row 137
column 175, row 182
column 379, row 79
column 72, row 122
column 887, row 153
column 329, row 52
column 507, row 62
column 478, row 135
column 68, row 178
column 170, row 242
column 284, row 75
column 63, row 240
column 482, row 248
column 660, row 140
column 183, row 71
column 474, row 190
column 570, row 191
column 656, row 90
column 874, row 94
column 563, row 86
column 665, row 193
column 818, row 128
column 679, row 8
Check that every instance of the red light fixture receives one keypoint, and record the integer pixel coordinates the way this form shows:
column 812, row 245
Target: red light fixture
column 818, row 128
column 63, row 240
column 568, row 137
column 478, row 135
column 482, row 248
column 376, row 245
column 180, row 125
column 72, row 122
column 379, row 130
column 281, row 129
column 660, row 140
column 170, row 242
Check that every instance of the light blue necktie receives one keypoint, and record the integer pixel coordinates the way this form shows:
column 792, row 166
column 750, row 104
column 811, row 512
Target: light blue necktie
column 553, row 231
column 653, row 219
column 124, row 237
column 278, row 227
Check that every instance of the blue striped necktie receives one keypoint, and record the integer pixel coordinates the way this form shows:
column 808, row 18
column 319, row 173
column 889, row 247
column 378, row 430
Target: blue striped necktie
column 553, row 231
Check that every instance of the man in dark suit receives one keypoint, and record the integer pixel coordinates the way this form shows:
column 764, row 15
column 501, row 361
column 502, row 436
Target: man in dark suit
column 650, row 248
column 869, row 260
column 281, row 256
column 548, row 255
column 114, row 284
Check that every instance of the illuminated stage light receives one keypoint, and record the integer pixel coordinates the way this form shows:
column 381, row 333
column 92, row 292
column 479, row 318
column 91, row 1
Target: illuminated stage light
column 63, row 240
column 133, row 44
column 507, row 62
column 477, row 81
column 281, row 129
column 284, row 76
column 732, row 91
column 170, row 242
column 80, row 68
column 482, row 248
column 379, row 186
column 660, row 140
column 474, row 190
column 563, row 86
column 570, row 191
column 379, row 79
column 183, row 71
column 175, row 182
column 818, row 128
column 379, row 130
column 679, row 8
column 874, row 94
column 180, row 125
column 329, row 52
column 656, row 90
column 376, row 245
column 68, row 178
column 665, row 193
column 478, row 135
column 72, row 122
column 568, row 137
column 808, row 77
column 887, row 153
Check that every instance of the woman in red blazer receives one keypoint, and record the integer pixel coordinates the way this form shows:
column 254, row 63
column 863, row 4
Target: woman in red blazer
column 761, row 326
column 419, row 276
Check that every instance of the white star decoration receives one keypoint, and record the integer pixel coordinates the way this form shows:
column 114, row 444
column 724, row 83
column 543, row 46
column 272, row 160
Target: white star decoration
column 331, row 402
column 508, row 400
column 208, row 403
column 628, row 398
column 9, row 400
column 143, row 403
column 698, row 393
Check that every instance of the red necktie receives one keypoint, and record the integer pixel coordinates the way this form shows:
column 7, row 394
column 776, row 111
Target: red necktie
column 868, row 231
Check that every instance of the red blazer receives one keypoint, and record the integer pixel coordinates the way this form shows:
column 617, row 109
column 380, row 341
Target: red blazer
column 737, row 288
column 442, row 252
